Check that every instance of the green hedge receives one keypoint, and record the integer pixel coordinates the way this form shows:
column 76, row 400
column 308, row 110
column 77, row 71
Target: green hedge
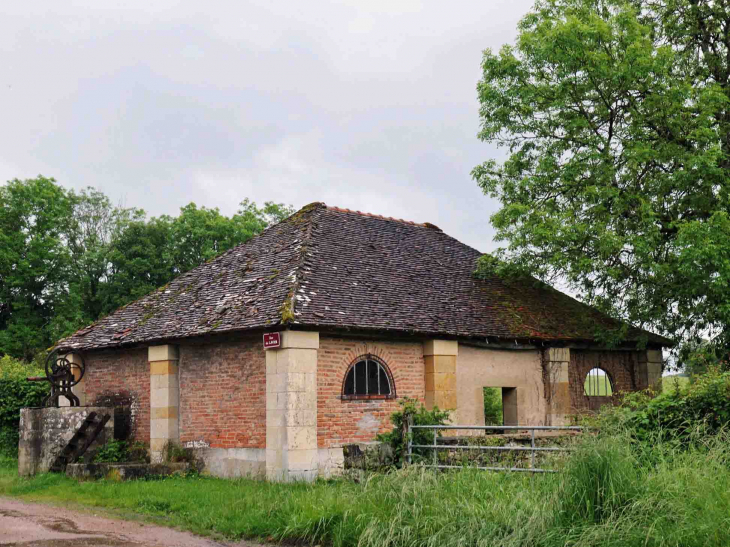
column 701, row 407
column 16, row 393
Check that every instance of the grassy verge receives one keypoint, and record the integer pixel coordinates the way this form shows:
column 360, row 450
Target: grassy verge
column 608, row 495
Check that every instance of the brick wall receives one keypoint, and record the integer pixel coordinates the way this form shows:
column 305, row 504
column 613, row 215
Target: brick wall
column 621, row 366
column 223, row 394
column 121, row 378
column 341, row 422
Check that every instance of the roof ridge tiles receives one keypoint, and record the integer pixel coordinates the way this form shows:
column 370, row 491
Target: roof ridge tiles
column 373, row 215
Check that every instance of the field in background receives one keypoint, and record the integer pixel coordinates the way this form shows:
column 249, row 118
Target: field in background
column 669, row 383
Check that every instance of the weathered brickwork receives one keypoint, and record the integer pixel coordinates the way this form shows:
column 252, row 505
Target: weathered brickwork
column 341, row 422
column 621, row 366
column 223, row 394
column 121, row 378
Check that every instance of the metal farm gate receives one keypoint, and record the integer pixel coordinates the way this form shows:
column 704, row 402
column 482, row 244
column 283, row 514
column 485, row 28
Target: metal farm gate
column 452, row 444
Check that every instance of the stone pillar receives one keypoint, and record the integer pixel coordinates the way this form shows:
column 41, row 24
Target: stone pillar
column 78, row 389
column 557, row 386
column 439, row 357
column 164, row 398
column 291, row 408
column 649, row 374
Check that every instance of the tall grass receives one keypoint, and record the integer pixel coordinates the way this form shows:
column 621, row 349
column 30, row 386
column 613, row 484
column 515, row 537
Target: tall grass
column 611, row 492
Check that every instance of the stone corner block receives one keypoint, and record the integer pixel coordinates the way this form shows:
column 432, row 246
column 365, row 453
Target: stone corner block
column 299, row 339
column 558, row 354
column 654, row 356
column 440, row 347
column 162, row 353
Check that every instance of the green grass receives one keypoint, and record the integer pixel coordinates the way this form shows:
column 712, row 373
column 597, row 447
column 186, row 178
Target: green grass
column 608, row 495
column 670, row 383
column 601, row 386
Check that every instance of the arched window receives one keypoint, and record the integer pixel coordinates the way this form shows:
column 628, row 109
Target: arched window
column 598, row 383
column 368, row 378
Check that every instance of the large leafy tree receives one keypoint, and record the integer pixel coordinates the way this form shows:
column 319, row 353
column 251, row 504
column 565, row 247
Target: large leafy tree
column 615, row 117
column 34, row 262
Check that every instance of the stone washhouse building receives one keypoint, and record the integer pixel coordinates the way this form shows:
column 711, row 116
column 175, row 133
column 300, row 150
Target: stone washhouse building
column 369, row 310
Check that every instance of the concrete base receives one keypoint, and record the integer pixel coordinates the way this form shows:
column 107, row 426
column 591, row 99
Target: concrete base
column 44, row 432
column 331, row 462
column 232, row 463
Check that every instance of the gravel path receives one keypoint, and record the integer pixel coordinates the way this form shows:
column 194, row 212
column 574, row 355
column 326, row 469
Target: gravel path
column 35, row 525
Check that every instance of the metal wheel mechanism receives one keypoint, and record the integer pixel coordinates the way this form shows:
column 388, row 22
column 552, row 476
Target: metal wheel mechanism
column 61, row 372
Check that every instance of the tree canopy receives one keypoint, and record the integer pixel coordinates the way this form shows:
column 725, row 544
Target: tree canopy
column 68, row 258
column 615, row 118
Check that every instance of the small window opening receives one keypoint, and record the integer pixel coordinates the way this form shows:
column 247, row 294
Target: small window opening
column 500, row 406
column 598, row 383
column 368, row 379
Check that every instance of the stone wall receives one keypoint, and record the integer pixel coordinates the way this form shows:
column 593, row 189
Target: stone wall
column 44, row 432
column 341, row 422
column 477, row 368
column 121, row 378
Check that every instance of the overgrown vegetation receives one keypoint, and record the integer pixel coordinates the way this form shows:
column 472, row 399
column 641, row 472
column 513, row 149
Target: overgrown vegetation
column 116, row 451
column 677, row 415
column 16, row 393
column 415, row 413
column 608, row 495
column 174, row 453
column 627, row 484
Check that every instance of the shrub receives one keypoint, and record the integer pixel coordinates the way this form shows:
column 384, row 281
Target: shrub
column 16, row 393
column 112, row 452
column 174, row 453
column 419, row 415
column 679, row 415
column 121, row 451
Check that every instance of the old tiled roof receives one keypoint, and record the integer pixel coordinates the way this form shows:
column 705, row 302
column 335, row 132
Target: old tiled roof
column 336, row 269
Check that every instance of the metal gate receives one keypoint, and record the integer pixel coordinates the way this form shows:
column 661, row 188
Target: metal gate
column 532, row 449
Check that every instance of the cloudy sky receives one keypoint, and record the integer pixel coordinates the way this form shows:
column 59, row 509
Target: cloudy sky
column 367, row 104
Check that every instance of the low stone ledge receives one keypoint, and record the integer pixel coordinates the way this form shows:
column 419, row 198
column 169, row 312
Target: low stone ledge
column 124, row 471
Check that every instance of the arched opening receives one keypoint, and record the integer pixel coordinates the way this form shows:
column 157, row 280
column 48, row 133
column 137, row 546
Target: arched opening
column 368, row 378
column 598, row 383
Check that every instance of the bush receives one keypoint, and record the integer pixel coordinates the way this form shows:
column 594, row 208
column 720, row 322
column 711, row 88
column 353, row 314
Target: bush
column 121, row 451
column 174, row 453
column 681, row 415
column 419, row 415
column 16, row 393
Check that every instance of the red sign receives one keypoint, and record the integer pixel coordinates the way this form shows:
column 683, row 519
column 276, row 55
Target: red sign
column 272, row 340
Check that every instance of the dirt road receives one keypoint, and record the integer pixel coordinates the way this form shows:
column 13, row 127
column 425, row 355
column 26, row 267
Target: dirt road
column 34, row 525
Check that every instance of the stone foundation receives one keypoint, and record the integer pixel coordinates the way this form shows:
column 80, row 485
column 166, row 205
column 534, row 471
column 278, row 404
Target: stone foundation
column 124, row 471
column 44, row 432
column 231, row 463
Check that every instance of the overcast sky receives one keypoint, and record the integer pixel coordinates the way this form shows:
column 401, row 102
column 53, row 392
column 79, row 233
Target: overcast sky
column 367, row 104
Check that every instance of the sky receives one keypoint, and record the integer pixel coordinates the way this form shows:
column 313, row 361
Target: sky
column 369, row 105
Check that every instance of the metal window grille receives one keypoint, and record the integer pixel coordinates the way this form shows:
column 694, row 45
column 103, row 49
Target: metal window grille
column 598, row 383
column 367, row 377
